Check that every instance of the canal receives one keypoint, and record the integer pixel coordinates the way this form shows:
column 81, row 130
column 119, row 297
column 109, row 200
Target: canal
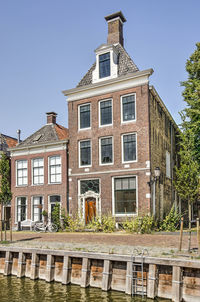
column 13, row 289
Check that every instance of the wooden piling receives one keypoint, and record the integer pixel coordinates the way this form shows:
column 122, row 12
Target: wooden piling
column 34, row 266
column 21, row 265
column 129, row 276
column 181, row 235
column 152, row 281
column 67, row 267
column 106, row 275
column 8, row 264
column 176, row 284
column 85, row 277
column 50, row 268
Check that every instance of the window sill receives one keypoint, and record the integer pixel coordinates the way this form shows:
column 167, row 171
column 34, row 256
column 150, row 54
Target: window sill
column 125, row 215
column 107, row 125
column 82, row 129
column 129, row 162
column 128, row 122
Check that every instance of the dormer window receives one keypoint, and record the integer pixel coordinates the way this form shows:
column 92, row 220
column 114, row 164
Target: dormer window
column 104, row 65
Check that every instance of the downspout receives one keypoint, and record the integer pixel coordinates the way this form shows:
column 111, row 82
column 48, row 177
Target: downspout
column 172, row 164
column 67, row 160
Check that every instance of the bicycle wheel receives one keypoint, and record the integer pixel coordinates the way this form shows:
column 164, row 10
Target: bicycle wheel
column 53, row 228
column 38, row 228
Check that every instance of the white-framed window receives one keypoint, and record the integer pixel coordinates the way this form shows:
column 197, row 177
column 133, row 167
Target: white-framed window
column 128, row 108
column 105, row 113
column 129, row 147
column 124, row 195
column 22, row 172
column 84, row 116
column 85, row 153
column 106, row 150
column 21, row 208
column 37, row 207
column 55, row 175
column 168, row 165
column 38, row 171
column 104, row 65
column 53, row 200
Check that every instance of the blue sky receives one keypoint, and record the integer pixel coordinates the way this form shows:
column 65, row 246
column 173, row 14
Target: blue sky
column 48, row 45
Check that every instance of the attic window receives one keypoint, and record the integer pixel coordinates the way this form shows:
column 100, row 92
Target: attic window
column 37, row 137
column 104, row 65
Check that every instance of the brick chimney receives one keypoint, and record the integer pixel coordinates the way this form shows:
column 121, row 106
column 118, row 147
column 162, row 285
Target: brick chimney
column 115, row 28
column 51, row 117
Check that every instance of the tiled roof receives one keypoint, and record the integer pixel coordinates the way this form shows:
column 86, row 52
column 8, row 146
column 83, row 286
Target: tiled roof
column 126, row 65
column 47, row 134
column 7, row 142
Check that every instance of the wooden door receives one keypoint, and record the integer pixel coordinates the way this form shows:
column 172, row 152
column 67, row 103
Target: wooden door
column 90, row 209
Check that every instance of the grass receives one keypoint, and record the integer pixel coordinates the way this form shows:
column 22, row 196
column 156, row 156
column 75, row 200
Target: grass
column 5, row 242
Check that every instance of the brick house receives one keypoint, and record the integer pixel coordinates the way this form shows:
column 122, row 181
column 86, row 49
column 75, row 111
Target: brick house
column 122, row 137
column 6, row 142
column 39, row 172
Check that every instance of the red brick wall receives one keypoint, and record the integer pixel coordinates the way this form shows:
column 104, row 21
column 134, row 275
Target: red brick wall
column 140, row 126
column 41, row 190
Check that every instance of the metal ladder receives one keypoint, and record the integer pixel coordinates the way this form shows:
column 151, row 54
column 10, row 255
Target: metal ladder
column 139, row 283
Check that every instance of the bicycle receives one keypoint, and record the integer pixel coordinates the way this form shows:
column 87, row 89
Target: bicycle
column 40, row 227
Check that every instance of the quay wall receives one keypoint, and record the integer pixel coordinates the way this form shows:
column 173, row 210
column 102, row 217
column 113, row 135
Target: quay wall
column 175, row 279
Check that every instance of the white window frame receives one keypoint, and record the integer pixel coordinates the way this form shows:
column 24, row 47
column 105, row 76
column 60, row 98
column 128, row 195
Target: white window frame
column 49, row 176
column 16, row 214
column 32, row 171
column 79, row 124
column 16, row 169
column 113, row 196
column 122, row 146
column 79, row 153
column 49, row 203
column 100, row 159
column 121, row 105
column 107, row 125
column 32, row 198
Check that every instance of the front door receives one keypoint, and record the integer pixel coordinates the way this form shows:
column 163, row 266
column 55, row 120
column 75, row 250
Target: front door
column 90, row 209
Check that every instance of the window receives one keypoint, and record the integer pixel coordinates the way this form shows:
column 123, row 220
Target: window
column 104, row 65
column 38, row 171
column 21, row 208
column 55, row 169
column 129, row 147
column 85, row 153
column 84, row 114
column 106, row 112
column 54, row 200
column 37, row 206
column 106, row 151
column 22, row 173
column 89, row 185
column 128, row 108
column 125, row 195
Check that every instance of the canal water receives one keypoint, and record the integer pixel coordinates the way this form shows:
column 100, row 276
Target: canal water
column 13, row 289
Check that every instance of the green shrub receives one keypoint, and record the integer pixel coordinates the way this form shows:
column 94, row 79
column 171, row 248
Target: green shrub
column 74, row 223
column 171, row 221
column 144, row 225
column 108, row 223
column 55, row 215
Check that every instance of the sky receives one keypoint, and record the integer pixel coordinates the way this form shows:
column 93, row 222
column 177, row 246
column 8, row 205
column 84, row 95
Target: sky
column 46, row 46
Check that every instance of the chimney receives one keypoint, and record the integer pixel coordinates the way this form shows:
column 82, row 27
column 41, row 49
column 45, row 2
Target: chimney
column 18, row 136
column 51, row 117
column 115, row 28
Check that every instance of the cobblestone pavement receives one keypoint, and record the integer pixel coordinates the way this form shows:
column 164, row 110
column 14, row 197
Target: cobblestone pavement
column 162, row 245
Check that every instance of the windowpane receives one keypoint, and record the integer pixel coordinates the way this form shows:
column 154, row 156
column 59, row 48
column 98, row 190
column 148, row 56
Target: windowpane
column 21, row 208
column 104, row 65
column 85, row 153
column 22, row 172
column 106, row 112
column 38, row 169
column 125, row 196
column 37, row 208
column 89, row 185
column 106, row 150
column 128, row 108
column 84, row 116
column 55, row 169
column 129, row 145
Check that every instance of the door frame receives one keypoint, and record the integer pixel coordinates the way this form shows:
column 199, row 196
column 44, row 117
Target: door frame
column 81, row 204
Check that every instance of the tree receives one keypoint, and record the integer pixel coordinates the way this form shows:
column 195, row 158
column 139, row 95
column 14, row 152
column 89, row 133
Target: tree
column 191, row 96
column 5, row 191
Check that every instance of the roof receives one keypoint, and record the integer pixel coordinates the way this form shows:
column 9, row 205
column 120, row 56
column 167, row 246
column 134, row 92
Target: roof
column 7, row 142
column 125, row 66
column 50, row 133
